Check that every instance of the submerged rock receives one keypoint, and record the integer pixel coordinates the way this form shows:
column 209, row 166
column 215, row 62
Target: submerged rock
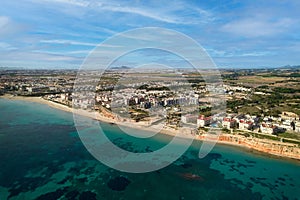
column 118, row 184
column 88, row 195
column 52, row 195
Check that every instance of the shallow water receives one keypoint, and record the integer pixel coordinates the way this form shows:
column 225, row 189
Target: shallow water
column 42, row 157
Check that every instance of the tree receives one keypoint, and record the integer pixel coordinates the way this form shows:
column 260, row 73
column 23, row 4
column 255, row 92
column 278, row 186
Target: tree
column 293, row 125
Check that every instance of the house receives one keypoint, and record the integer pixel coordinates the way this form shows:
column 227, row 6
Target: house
column 203, row 121
column 297, row 127
column 228, row 123
column 286, row 125
column 239, row 117
column 189, row 118
column 268, row 128
column 37, row 89
column 63, row 97
column 245, row 124
column 289, row 116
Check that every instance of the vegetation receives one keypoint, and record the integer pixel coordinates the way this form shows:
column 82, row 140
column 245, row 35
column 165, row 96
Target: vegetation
column 138, row 114
column 285, row 90
column 290, row 135
column 233, row 76
column 151, row 88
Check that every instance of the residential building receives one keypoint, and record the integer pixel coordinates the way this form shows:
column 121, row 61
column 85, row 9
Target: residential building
column 245, row 124
column 228, row 123
column 268, row 128
column 203, row 121
column 189, row 118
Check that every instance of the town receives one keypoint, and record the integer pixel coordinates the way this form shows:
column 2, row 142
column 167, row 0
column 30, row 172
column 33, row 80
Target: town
column 266, row 108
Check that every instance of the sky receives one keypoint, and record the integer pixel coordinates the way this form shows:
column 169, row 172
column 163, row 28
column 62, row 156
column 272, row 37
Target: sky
column 236, row 34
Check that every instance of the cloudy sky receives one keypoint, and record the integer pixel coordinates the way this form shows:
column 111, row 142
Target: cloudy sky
column 61, row 33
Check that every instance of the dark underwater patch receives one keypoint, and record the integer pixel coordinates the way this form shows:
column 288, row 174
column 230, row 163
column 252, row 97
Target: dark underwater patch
column 186, row 165
column 72, row 195
column 88, row 195
column 52, row 195
column 119, row 183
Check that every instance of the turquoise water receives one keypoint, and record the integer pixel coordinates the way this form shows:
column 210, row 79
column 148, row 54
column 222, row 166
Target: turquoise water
column 42, row 157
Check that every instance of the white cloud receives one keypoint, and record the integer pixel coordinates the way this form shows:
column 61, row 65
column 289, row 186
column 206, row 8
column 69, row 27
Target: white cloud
column 143, row 12
column 73, row 2
column 9, row 27
column 256, row 27
column 4, row 21
column 36, row 57
column 69, row 42
column 239, row 53
column 6, row 46
column 252, row 33
column 72, row 42
column 174, row 13
column 168, row 14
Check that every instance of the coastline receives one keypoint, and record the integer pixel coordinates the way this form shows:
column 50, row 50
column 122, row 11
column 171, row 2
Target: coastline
column 223, row 139
column 92, row 115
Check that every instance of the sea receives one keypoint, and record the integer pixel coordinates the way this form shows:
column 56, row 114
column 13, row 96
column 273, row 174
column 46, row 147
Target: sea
column 42, row 157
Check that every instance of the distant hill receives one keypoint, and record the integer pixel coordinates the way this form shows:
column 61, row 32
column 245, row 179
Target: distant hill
column 12, row 68
column 122, row 67
column 290, row 67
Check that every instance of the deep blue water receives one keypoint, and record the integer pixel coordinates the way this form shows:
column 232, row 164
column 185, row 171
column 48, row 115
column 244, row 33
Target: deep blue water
column 42, row 157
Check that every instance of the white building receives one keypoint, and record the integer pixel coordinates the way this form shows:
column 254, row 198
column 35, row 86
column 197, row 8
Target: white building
column 286, row 125
column 203, row 121
column 297, row 127
column 189, row 118
column 245, row 124
column 289, row 116
column 228, row 123
column 268, row 128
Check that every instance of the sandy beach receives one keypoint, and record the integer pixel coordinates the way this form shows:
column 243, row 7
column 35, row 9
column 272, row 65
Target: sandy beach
column 183, row 133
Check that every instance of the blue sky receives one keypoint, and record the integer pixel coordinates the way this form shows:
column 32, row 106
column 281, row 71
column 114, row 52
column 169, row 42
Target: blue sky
column 61, row 33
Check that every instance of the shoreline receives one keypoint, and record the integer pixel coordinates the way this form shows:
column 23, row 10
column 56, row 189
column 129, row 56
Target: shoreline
column 92, row 115
column 170, row 132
